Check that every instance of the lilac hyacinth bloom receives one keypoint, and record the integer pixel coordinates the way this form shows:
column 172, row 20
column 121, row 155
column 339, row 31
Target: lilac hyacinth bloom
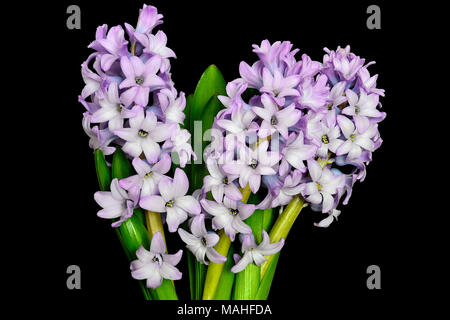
column 323, row 186
column 337, row 96
column 171, row 105
column 179, row 143
column 92, row 80
column 229, row 215
column 252, row 75
column 172, row 200
column 155, row 44
column 295, row 153
column 148, row 19
column 155, row 265
column 144, row 133
column 115, row 45
column 341, row 64
column 145, row 182
column 140, row 79
column 252, row 164
column 201, row 242
column 220, row 183
column 240, row 123
column 307, row 67
column 328, row 138
column 100, row 34
column 291, row 187
column 314, row 94
column 115, row 204
column 233, row 98
column 275, row 119
column 368, row 83
column 356, row 141
column 279, row 86
column 255, row 253
column 362, row 108
column 111, row 110
column 99, row 138
column 325, row 223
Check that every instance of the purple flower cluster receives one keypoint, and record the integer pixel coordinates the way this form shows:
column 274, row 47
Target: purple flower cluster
column 129, row 96
column 288, row 128
column 132, row 103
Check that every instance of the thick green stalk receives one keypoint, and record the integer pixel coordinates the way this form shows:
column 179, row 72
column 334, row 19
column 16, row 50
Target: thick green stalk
column 226, row 282
column 215, row 269
column 283, row 225
column 266, row 281
column 247, row 283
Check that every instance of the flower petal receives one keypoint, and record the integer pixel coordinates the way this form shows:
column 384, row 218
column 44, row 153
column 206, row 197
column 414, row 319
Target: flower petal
column 153, row 203
column 157, row 245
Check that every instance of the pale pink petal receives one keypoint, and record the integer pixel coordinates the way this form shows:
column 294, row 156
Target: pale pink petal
column 153, row 203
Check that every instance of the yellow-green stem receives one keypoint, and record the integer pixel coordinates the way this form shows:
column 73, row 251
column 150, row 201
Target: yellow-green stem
column 154, row 224
column 283, row 225
column 215, row 269
column 245, row 193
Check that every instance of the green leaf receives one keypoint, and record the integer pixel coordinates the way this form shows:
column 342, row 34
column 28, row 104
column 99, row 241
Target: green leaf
column 199, row 171
column 121, row 167
column 103, row 171
column 225, row 287
column 266, row 282
column 134, row 233
column 200, row 273
column 268, row 219
column 166, row 291
column 204, row 108
column 187, row 111
column 211, row 84
column 191, row 269
column 247, row 283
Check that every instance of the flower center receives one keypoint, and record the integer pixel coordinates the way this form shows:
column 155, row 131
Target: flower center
column 143, row 133
column 155, row 259
column 276, row 92
column 329, row 106
column 325, row 139
column 253, row 164
column 139, row 80
column 170, row 203
column 357, row 110
column 225, row 180
column 273, row 121
column 234, row 212
column 203, row 241
column 149, row 174
column 119, row 108
column 319, row 186
column 352, row 137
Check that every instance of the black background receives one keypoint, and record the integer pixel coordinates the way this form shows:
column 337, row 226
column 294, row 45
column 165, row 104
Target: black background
column 320, row 266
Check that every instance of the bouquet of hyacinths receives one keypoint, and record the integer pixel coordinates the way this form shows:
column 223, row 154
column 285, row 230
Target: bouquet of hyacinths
column 279, row 136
